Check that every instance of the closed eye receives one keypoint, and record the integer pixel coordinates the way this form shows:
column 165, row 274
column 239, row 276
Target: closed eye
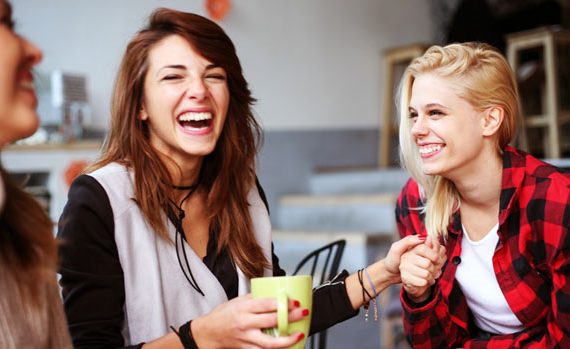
column 216, row 76
column 172, row 77
column 7, row 22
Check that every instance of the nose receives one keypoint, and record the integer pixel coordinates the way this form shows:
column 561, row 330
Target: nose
column 419, row 127
column 32, row 52
column 197, row 89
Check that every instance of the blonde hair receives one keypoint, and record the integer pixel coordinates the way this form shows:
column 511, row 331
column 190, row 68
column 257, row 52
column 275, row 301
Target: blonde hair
column 481, row 76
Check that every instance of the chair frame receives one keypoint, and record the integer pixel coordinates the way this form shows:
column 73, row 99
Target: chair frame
column 330, row 269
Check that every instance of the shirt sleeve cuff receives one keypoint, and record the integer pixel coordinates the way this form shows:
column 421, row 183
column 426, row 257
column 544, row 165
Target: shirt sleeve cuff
column 417, row 311
column 331, row 304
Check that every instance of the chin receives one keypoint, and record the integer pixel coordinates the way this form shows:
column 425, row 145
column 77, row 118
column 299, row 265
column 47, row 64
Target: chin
column 201, row 149
column 198, row 152
column 430, row 171
column 31, row 126
column 23, row 130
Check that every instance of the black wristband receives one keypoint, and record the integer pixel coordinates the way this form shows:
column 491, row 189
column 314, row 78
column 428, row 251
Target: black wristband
column 185, row 335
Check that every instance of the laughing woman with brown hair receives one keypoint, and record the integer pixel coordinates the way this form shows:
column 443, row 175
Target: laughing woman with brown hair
column 31, row 314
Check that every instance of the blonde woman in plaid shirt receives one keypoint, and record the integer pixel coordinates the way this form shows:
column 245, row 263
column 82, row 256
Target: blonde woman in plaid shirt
column 502, row 214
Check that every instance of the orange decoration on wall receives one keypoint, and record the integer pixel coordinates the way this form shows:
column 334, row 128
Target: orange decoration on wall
column 74, row 169
column 218, row 9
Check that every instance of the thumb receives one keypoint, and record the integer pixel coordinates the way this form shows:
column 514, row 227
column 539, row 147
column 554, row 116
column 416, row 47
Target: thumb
column 429, row 242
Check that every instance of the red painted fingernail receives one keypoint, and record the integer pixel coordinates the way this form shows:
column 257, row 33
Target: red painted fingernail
column 422, row 237
column 300, row 336
column 296, row 303
column 305, row 312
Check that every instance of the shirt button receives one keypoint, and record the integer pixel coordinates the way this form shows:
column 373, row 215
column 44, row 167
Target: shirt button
column 456, row 260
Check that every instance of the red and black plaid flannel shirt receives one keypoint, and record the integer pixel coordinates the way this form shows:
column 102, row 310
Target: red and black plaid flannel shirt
column 531, row 262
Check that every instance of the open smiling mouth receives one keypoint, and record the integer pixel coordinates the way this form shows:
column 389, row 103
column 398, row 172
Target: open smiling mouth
column 430, row 149
column 194, row 120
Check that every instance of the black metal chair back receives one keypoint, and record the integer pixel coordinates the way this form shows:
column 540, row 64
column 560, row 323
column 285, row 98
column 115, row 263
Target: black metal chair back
column 322, row 264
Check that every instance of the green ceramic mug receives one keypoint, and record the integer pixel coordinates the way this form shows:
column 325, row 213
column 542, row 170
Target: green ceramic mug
column 298, row 287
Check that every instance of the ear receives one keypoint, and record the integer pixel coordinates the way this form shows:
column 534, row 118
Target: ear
column 142, row 114
column 492, row 120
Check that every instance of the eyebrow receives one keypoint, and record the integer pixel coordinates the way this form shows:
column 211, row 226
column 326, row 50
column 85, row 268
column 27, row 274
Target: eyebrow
column 429, row 106
column 435, row 105
column 171, row 66
column 212, row 66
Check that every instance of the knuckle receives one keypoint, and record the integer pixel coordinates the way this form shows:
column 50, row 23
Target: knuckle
column 424, row 263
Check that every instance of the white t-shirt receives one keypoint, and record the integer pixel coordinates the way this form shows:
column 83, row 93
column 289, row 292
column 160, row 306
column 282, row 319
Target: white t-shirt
column 478, row 282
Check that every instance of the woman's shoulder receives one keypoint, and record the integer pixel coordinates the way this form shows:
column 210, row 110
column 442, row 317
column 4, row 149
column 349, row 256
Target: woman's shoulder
column 117, row 182
column 409, row 202
column 536, row 169
column 110, row 170
column 410, row 192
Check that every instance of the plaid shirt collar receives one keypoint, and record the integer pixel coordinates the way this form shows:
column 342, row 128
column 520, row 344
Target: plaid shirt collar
column 513, row 174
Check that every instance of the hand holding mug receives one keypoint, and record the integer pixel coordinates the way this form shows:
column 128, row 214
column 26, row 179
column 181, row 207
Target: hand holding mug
column 239, row 323
column 282, row 289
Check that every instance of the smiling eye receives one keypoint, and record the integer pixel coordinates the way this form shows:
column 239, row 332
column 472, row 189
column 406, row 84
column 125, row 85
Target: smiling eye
column 413, row 115
column 172, row 77
column 7, row 22
column 216, row 76
column 435, row 113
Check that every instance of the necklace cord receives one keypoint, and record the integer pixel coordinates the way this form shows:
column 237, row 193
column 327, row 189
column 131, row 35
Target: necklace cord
column 177, row 220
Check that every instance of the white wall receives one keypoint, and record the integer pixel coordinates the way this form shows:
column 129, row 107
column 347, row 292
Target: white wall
column 313, row 64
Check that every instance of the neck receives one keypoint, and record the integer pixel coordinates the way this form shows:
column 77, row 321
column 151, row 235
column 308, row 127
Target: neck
column 184, row 173
column 482, row 188
column 185, row 177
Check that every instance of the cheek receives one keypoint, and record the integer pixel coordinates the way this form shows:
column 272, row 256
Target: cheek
column 222, row 96
column 7, row 88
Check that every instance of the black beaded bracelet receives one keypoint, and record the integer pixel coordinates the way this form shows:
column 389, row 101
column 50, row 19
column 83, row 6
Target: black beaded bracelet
column 185, row 335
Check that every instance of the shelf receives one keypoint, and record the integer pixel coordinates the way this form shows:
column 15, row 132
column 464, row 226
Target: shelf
column 82, row 145
column 44, row 168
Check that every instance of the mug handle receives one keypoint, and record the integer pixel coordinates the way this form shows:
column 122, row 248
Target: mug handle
column 282, row 313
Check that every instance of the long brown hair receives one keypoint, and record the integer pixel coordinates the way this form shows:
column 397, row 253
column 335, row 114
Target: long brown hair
column 227, row 174
column 27, row 244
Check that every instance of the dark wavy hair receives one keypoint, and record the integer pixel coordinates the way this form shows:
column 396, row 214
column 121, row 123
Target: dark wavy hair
column 227, row 174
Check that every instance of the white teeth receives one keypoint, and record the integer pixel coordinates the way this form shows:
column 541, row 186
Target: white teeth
column 428, row 149
column 195, row 116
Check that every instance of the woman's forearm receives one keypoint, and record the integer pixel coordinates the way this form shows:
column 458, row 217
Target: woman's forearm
column 170, row 340
column 381, row 278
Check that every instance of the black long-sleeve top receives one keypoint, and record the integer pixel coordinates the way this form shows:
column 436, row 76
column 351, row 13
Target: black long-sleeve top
column 92, row 277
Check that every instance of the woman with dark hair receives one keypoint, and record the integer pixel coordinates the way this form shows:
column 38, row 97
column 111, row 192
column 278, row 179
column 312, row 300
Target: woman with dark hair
column 31, row 313
column 171, row 223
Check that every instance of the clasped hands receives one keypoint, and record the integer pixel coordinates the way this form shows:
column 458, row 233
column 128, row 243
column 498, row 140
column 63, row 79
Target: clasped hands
column 420, row 267
column 414, row 261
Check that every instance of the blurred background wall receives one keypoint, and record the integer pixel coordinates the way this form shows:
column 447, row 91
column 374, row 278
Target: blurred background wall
column 312, row 64
column 315, row 67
